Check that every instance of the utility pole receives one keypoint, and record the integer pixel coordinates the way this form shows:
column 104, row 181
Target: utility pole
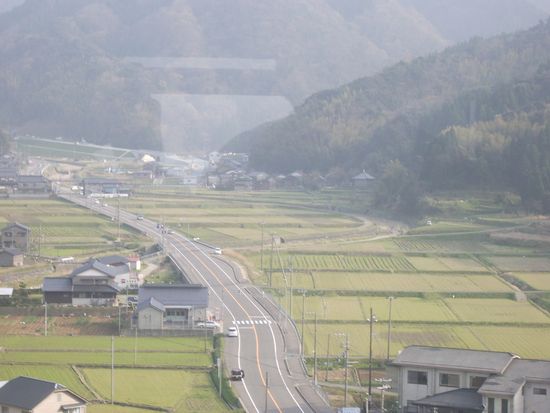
column 135, row 345
column 291, row 271
column 315, row 352
column 328, row 354
column 220, row 377
column 303, row 314
column 45, row 319
column 266, row 389
column 371, row 321
column 119, row 319
column 118, row 218
column 112, row 370
column 262, row 248
column 271, row 261
column 346, row 371
column 389, row 330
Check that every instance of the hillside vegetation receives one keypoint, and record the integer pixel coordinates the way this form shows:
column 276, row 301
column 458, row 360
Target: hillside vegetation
column 65, row 67
column 473, row 116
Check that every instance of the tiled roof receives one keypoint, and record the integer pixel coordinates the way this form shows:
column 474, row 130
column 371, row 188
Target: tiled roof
column 460, row 359
column 57, row 285
column 26, row 392
column 193, row 295
column 462, row 399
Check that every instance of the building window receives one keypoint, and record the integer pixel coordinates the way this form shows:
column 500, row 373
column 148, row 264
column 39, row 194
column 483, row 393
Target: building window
column 476, row 381
column 491, row 405
column 449, row 380
column 504, row 405
column 539, row 391
column 417, row 377
column 71, row 410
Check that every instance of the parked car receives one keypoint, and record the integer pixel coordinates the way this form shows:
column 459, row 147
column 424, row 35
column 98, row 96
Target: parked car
column 208, row 324
column 218, row 251
column 232, row 332
column 237, row 374
column 140, row 218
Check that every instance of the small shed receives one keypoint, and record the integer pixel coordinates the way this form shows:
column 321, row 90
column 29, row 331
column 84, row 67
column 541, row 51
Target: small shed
column 11, row 257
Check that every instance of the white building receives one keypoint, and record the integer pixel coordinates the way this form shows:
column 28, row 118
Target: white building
column 446, row 380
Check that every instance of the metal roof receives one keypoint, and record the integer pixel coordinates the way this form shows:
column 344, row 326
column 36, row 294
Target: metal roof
column 462, row 399
column 6, row 292
column 457, row 359
column 151, row 303
column 515, row 376
column 26, row 392
column 16, row 224
column 193, row 295
column 113, row 259
column 104, row 288
column 31, row 178
column 57, row 284
column 11, row 251
column 111, row 271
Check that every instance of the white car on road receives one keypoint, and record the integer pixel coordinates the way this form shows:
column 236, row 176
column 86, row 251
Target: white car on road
column 232, row 332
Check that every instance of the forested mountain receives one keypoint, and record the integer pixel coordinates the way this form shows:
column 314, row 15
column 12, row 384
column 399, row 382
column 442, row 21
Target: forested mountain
column 475, row 115
column 66, row 67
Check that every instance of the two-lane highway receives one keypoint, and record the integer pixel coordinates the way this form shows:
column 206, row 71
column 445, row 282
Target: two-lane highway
column 264, row 349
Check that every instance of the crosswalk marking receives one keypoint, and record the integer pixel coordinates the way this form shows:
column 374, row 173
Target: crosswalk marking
column 250, row 322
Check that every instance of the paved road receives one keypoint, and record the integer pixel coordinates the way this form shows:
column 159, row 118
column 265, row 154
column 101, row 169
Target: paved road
column 267, row 347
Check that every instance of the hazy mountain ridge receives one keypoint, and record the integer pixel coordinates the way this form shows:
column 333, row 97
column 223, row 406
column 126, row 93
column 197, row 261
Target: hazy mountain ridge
column 336, row 127
column 63, row 63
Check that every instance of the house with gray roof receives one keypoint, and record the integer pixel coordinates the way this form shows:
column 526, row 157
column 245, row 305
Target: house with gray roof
column 92, row 284
column 362, row 180
column 171, row 306
column 470, row 381
column 26, row 394
column 11, row 257
column 16, row 235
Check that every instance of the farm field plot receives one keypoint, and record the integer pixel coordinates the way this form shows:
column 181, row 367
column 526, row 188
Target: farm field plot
column 537, row 280
column 522, row 264
column 357, row 308
column 527, row 342
column 65, row 229
column 182, row 391
column 104, row 358
column 82, row 343
column 388, row 282
column 59, row 374
column 445, row 264
column 335, row 262
column 496, row 311
column 107, row 408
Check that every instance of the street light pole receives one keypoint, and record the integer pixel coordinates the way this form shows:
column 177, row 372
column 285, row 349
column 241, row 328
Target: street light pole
column 389, row 330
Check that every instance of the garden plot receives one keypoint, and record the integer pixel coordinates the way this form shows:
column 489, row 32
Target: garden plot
column 537, row 280
column 358, row 308
column 496, row 311
column 59, row 374
column 178, row 390
column 527, row 342
column 522, row 264
column 389, row 282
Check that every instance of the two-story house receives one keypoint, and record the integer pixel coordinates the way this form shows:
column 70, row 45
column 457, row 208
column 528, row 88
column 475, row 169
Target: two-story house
column 93, row 283
column 443, row 380
column 26, row 394
column 16, row 235
column 162, row 307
